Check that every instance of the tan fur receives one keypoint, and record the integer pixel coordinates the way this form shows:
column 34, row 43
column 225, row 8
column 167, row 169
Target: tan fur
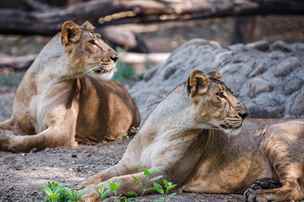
column 64, row 98
column 191, row 138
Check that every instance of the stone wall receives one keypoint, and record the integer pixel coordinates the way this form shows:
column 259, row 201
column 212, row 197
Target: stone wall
column 267, row 77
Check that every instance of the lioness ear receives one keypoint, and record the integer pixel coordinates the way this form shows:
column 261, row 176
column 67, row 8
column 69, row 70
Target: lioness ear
column 216, row 75
column 197, row 83
column 70, row 33
column 88, row 26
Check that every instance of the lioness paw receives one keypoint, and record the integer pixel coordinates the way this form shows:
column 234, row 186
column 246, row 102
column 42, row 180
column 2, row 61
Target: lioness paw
column 90, row 194
column 251, row 194
column 4, row 141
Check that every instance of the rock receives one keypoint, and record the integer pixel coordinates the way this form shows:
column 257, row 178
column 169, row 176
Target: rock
column 287, row 66
column 293, row 85
column 281, row 45
column 295, row 104
column 259, row 45
column 259, row 69
column 275, row 55
column 267, row 105
column 256, row 86
column 6, row 102
column 269, row 82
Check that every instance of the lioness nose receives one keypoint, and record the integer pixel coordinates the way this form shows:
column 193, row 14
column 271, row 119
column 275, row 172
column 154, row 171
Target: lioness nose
column 243, row 115
column 114, row 57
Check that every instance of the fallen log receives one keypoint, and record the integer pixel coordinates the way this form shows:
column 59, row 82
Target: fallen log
column 14, row 21
column 140, row 11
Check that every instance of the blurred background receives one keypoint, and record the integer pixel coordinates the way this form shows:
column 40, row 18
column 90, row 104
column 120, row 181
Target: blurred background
column 144, row 32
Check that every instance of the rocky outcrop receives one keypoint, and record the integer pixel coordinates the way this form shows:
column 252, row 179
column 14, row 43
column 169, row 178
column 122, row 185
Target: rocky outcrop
column 267, row 77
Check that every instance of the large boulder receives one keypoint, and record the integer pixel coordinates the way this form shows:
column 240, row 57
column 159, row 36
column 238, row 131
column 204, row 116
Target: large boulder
column 267, row 77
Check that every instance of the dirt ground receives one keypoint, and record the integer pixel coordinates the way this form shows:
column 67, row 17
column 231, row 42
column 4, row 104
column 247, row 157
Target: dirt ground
column 23, row 175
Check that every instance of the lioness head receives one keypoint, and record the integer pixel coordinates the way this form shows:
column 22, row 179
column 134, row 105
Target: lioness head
column 214, row 103
column 86, row 51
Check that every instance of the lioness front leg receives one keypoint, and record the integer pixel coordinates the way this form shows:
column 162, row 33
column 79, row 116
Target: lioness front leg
column 289, row 191
column 283, row 148
column 117, row 170
column 138, row 183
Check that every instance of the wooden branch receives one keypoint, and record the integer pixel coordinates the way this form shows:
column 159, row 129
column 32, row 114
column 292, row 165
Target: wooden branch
column 182, row 10
column 48, row 23
column 140, row 11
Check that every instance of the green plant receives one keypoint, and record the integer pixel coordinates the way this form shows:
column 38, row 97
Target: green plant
column 55, row 192
column 105, row 191
column 164, row 187
column 150, row 171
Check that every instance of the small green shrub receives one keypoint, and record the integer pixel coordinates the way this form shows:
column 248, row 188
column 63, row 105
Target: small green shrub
column 150, row 171
column 105, row 191
column 55, row 192
column 163, row 187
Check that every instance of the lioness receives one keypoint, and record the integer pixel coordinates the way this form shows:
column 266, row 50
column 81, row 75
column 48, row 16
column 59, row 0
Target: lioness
column 64, row 98
column 191, row 138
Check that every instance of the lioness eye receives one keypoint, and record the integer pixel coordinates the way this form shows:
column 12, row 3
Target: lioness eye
column 220, row 94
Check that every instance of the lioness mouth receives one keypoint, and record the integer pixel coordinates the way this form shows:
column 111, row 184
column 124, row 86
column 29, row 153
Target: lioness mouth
column 99, row 71
column 230, row 127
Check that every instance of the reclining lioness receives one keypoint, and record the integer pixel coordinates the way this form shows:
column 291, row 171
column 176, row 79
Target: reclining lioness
column 190, row 139
column 64, row 98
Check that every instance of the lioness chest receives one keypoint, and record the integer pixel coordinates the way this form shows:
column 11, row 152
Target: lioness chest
column 231, row 164
column 106, row 111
